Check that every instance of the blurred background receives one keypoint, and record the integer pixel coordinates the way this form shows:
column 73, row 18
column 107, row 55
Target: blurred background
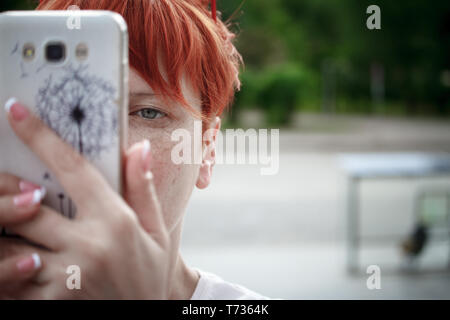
column 364, row 177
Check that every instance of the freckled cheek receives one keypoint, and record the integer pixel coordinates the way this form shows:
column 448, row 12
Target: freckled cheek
column 161, row 172
column 173, row 184
column 134, row 134
column 162, row 167
column 172, row 181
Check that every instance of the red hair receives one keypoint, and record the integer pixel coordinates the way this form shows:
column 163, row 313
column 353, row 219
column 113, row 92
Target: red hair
column 188, row 38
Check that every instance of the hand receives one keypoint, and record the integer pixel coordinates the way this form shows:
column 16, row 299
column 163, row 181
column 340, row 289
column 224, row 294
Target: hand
column 121, row 246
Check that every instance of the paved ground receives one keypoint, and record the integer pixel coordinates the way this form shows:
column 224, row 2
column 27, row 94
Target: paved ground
column 284, row 235
column 307, row 271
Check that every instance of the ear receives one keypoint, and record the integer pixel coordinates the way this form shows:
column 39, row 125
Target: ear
column 209, row 153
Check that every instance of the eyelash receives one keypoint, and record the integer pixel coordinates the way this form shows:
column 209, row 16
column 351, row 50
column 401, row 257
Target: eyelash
column 159, row 115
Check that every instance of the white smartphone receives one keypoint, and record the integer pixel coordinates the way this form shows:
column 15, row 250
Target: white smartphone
column 71, row 69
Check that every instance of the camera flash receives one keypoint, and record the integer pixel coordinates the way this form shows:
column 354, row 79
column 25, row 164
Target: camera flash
column 81, row 51
column 28, row 51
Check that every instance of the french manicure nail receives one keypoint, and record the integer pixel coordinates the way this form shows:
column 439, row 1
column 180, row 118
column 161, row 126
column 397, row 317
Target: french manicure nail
column 30, row 263
column 148, row 175
column 25, row 186
column 146, row 155
column 30, row 198
column 37, row 260
column 9, row 103
column 17, row 111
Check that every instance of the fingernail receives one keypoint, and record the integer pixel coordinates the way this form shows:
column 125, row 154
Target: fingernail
column 25, row 186
column 17, row 111
column 148, row 175
column 30, row 198
column 146, row 155
column 30, row 263
column 9, row 104
column 208, row 164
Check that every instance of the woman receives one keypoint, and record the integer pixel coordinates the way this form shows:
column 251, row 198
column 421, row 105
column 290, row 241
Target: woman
column 183, row 67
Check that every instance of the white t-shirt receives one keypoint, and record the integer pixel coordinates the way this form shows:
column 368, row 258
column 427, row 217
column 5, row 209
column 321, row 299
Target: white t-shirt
column 213, row 287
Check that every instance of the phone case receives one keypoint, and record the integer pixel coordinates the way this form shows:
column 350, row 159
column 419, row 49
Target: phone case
column 84, row 99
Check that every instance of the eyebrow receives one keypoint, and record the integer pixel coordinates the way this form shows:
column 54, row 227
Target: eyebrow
column 140, row 94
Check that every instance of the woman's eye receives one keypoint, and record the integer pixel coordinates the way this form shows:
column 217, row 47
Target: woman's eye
column 149, row 113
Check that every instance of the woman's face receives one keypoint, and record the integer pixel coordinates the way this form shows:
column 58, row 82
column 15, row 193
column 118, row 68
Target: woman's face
column 153, row 119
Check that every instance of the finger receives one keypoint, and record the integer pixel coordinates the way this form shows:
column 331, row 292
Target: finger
column 10, row 184
column 18, row 208
column 77, row 176
column 46, row 228
column 10, row 247
column 18, row 269
column 140, row 190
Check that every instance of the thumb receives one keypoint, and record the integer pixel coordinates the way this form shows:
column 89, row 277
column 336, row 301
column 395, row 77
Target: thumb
column 140, row 190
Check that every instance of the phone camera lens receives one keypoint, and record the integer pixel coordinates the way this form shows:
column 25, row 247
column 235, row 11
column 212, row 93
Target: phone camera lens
column 55, row 52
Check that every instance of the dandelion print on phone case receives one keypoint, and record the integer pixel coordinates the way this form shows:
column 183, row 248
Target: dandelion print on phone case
column 81, row 109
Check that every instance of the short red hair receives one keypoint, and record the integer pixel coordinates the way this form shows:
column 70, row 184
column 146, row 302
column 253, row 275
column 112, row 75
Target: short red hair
column 188, row 38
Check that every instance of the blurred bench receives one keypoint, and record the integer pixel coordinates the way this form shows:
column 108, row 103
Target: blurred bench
column 378, row 166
